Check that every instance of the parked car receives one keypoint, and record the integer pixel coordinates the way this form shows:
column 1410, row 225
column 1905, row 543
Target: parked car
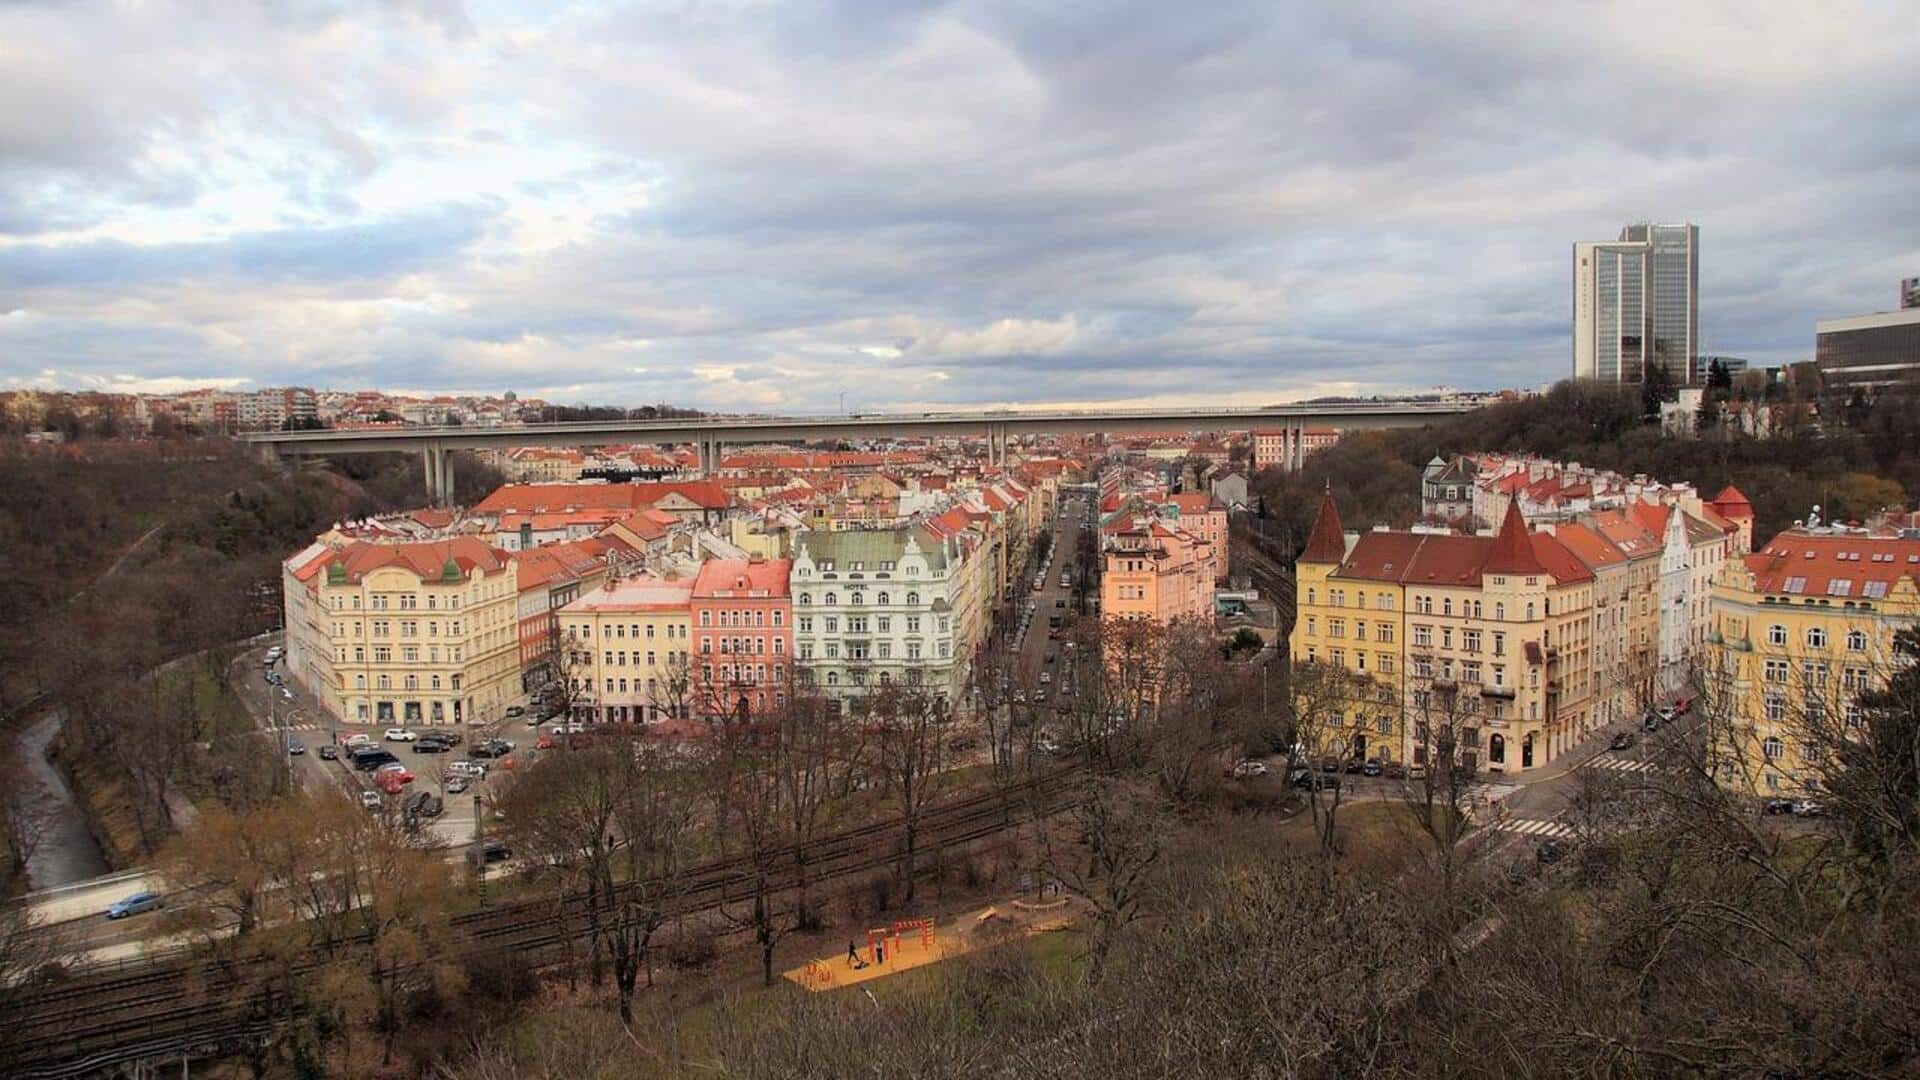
column 329, row 752
column 1651, row 722
column 295, row 746
column 1393, row 770
column 137, row 904
column 1372, row 768
column 1666, row 713
column 1246, row 770
column 369, row 760
column 395, row 769
column 1808, row 808
column 474, row 769
column 432, row 746
column 371, row 800
column 1777, row 806
column 544, row 742
column 1330, row 765
column 1416, row 772
column 1354, row 767
column 396, row 734
column 1308, row 780
column 515, row 710
column 490, row 851
column 457, row 784
column 1622, row 741
column 358, row 740
column 492, row 748
column 425, row 804
column 286, row 694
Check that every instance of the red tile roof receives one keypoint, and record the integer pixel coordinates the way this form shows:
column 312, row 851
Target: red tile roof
column 1326, row 543
column 1512, row 552
column 1595, row 550
column 1562, row 563
column 1812, row 562
column 424, row 559
column 718, row 575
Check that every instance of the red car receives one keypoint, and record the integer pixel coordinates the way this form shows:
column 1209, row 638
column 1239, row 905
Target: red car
column 1683, row 706
column 545, row 742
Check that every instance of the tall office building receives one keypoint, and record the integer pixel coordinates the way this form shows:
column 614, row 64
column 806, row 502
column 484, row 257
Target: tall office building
column 1636, row 303
column 1910, row 293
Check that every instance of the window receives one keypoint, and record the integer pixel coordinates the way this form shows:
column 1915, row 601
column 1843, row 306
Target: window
column 1773, row 748
column 1446, row 606
column 1776, row 634
column 831, row 600
column 806, row 624
column 1776, row 671
column 1386, row 602
column 913, row 599
column 1816, row 638
column 1857, row 640
column 1385, row 665
column 1310, row 598
column 1336, row 628
column 1499, row 643
column 1470, row 640
column 1385, row 633
column 1311, row 628
column 1423, row 636
column 882, row 599
column 1776, row 711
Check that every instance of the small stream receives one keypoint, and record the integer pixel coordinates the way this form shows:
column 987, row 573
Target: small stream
column 67, row 852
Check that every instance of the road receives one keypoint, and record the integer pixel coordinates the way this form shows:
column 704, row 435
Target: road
column 1034, row 646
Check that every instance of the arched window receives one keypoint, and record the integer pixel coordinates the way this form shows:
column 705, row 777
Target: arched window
column 1529, row 611
column 883, row 600
column 1776, row 634
column 1310, row 599
column 1857, row 640
column 806, row 599
column 1773, row 748
column 831, row 600
column 1499, row 611
column 913, row 598
column 1816, row 638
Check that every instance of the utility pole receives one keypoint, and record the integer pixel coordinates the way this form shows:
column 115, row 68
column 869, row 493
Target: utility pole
column 479, row 848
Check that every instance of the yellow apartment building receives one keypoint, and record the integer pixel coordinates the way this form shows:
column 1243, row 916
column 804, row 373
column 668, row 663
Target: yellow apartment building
column 423, row 632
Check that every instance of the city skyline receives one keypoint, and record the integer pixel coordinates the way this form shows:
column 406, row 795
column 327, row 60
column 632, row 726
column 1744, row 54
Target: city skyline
column 946, row 207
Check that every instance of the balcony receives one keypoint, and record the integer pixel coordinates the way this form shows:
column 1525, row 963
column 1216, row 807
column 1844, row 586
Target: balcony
column 1506, row 692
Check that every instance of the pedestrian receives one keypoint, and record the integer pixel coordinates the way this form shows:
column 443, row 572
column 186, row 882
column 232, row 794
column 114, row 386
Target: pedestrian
column 853, row 955
column 880, row 953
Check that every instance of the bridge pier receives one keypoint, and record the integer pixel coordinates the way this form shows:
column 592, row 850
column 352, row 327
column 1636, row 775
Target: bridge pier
column 439, row 470
column 710, row 451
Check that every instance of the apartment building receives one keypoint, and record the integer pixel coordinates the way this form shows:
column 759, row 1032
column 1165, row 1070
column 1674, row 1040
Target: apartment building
column 1495, row 631
column 742, row 613
column 404, row 633
column 883, row 606
column 626, row 650
column 548, row 579
column 1800, row 628
column 1155, row 571
column 1206, row 518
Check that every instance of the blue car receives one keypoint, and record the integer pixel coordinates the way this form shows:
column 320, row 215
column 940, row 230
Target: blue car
column 133, row 905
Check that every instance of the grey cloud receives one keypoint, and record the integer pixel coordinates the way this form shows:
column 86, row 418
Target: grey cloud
column 1041, row 202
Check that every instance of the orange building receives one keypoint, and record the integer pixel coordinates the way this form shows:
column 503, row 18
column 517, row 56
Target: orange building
column 1156, row 571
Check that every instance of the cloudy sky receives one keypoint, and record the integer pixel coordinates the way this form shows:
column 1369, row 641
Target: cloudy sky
column 768, row 205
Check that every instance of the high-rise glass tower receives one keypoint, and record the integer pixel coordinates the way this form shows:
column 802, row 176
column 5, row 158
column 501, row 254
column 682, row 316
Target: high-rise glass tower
column 1635, row 304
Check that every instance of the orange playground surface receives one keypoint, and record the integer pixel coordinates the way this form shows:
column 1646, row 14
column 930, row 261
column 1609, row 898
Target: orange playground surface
column 911, row 943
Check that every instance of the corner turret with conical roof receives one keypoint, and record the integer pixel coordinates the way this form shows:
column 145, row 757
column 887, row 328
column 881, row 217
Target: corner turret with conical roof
column 1325, row 543
column 1512, row 549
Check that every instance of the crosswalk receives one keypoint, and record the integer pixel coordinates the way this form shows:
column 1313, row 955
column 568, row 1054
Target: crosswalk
column 1535, row 827
column 1489, row 793
column 1627, row 765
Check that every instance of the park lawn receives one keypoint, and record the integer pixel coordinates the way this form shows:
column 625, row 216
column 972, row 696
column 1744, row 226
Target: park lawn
column 214, row 702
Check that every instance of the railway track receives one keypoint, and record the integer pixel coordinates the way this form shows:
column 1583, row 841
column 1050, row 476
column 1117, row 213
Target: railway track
column 98, row 1021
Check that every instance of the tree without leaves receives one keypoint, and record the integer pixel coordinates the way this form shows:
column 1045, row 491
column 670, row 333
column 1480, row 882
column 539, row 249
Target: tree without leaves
column 905, row 748
column 1106, row 852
